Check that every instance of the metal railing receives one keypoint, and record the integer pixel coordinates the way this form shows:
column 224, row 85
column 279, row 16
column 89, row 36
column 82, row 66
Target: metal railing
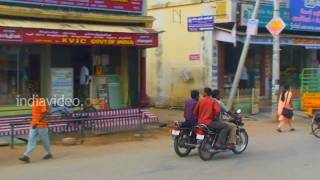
column 84, row 123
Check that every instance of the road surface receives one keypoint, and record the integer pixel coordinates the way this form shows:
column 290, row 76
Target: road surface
column 270, row 155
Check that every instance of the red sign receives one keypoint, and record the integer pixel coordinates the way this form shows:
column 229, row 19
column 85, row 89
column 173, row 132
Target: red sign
column 109, row 5
column 39, row 36
column 194, row 57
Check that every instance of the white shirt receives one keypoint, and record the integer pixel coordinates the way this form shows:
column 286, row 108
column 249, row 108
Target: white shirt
column 84, row 72
column 244, row 74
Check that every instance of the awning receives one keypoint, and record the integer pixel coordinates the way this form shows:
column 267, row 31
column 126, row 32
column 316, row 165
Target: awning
column 25, row 31
column 225, row 35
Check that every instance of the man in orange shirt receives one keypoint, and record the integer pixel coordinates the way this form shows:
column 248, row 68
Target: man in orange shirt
column 39, row 128
column 208, row 112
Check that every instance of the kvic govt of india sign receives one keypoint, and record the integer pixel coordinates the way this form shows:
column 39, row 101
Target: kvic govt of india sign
column 40, row 36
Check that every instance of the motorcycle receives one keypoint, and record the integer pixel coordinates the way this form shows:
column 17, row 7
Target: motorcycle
column 207, row 138
column 184, row 139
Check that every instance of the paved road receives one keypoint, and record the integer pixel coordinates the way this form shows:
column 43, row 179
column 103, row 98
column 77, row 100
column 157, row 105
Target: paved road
column 270, row 155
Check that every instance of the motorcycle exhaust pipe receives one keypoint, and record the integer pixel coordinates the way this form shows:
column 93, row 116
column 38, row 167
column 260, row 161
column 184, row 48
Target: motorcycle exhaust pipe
column 192, row 145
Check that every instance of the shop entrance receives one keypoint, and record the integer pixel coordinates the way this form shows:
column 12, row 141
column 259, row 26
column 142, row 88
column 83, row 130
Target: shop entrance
column 19, row 72
column 72, row 57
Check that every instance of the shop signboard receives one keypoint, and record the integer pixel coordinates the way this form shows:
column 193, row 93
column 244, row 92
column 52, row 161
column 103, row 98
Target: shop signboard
column 201, row 23
column 265, row 13
column 62, row 83
column 38, row 36
column 133, row 6
column 306, row 42
column 267, row 40
column 305, row 15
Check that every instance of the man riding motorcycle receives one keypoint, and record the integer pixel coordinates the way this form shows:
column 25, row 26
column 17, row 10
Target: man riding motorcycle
column 208, row 112
column 190, row 104
column 224, row 109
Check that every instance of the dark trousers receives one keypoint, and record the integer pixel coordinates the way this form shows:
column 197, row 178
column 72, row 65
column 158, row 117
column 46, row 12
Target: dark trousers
column 188, row 124
column 243, row 84
column 83, row 93
column 224, row 130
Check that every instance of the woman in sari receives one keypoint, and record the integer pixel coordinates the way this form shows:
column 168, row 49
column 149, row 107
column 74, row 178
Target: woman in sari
column 285, row 101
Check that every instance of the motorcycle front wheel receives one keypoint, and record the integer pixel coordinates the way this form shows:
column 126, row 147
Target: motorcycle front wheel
column 242, row 142
column 204, row 150
column 179, row 145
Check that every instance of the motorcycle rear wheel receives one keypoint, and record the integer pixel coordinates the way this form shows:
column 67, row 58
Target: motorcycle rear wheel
column 178, row 142
column 242, row 142
column 204, row 152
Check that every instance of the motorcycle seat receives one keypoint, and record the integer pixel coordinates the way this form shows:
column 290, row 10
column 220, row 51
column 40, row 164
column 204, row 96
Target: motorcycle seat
column 213, row 130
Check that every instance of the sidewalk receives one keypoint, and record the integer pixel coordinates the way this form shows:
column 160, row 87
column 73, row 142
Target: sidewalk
column 267, row 116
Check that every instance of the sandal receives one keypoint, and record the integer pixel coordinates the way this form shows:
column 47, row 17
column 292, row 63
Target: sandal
column 279, row 130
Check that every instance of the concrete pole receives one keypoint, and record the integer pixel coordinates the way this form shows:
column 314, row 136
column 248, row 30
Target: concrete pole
column 242, row 59
column 207, row 48
column 275, row 63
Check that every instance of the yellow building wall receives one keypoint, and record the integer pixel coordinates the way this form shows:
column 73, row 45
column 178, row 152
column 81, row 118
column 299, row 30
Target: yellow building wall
column 167, row 64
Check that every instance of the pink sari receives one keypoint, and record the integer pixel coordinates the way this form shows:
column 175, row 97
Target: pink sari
column 285, row 104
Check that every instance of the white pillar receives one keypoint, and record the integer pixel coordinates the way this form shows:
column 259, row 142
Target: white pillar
column 207, row 50
column 275, row 63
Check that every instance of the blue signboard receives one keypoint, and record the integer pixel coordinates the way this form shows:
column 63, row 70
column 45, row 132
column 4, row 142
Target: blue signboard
column 201, row 23
column 265, row 13
column 305, row 15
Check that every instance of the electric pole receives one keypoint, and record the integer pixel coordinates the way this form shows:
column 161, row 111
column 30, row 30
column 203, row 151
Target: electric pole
column 275, row 62
column 242, row 59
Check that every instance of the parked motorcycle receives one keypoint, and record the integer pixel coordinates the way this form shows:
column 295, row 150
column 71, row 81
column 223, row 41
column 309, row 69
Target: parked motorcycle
column 207, row 138
column 184, row 139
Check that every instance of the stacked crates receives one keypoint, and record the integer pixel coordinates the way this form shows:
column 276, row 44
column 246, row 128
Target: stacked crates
column 310, row 89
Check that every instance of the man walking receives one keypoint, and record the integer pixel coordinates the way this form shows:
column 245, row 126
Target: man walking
column 39, row 128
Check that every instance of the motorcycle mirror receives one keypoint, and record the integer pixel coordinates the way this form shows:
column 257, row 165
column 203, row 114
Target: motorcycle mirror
column 238, row 111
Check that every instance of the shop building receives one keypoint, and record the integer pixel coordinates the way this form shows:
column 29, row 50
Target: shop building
column 43, row 45
column 184, row 60
column 299, row 45
column 193, row 60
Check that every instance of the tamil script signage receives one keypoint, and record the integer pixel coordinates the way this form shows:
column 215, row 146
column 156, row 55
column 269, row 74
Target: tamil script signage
column 265, row 13
column 134, row 6
column 305, row 15
column 39, row 36
column 201, row 23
